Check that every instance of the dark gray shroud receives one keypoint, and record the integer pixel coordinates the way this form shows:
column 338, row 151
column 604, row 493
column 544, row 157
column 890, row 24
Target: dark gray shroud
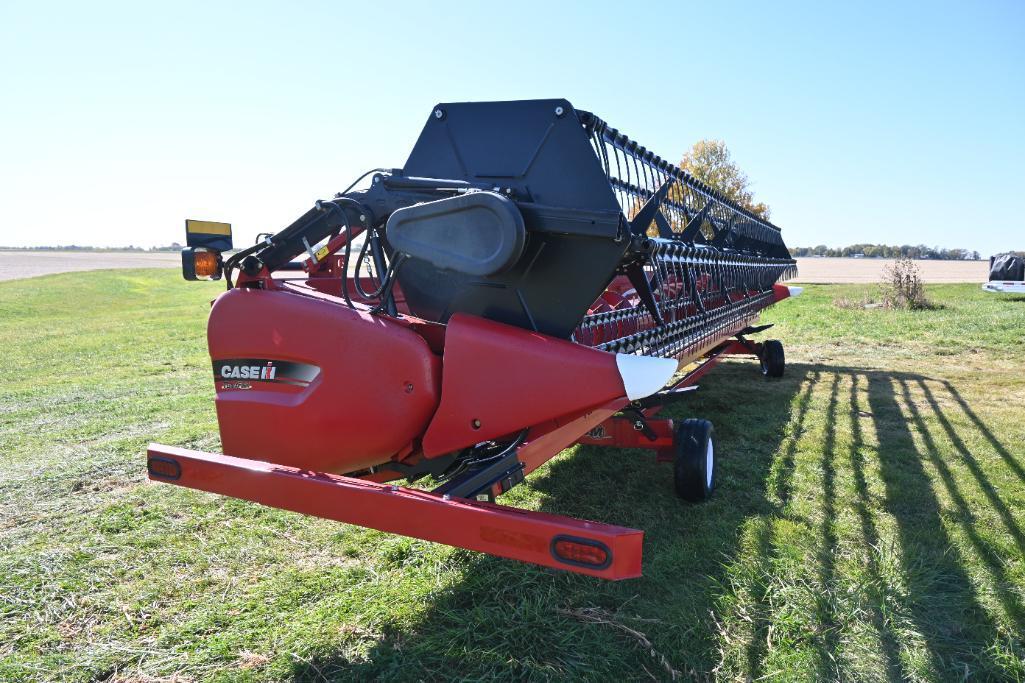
column 478, row 233
column 1006, row 267
column 538, row 153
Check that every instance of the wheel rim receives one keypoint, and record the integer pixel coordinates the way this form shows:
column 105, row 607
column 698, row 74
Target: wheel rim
column 709, row 463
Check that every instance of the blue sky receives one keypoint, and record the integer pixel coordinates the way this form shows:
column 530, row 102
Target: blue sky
column 857, row 122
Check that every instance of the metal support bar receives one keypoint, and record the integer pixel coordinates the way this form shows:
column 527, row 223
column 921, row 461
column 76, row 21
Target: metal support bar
column 484, row 527
column 622, row 432
column 480, row 480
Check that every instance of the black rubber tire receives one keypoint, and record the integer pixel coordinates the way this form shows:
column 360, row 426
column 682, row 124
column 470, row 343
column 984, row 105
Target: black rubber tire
column 694, row 465
column 772, row 359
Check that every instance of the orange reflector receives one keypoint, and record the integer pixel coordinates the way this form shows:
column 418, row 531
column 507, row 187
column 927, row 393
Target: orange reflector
column 165, row 468
column 207, row 264
column 581, row 551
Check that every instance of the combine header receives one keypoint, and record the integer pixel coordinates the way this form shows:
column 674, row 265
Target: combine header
column 530, row 279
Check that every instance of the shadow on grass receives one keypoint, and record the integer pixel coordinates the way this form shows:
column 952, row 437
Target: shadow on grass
column 943, row 603
column 502, row 620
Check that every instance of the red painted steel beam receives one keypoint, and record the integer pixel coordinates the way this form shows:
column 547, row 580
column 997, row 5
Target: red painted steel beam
column 710, row 362
column 621, row 433
column 562, row 433
column 712, row 358
column 485, row 527
column 739, row 348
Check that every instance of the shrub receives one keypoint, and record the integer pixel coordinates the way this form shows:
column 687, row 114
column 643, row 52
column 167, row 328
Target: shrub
column 902, row 286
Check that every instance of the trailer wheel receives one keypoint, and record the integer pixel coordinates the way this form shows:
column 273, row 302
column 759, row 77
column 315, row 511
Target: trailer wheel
column 772, row 359
column 694, row 466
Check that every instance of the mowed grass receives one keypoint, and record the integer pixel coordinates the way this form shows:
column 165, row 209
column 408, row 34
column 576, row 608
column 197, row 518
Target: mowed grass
column 868, row 523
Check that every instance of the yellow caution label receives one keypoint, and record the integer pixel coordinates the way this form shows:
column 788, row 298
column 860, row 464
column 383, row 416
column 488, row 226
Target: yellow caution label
column 322, row 252
column 207, row 228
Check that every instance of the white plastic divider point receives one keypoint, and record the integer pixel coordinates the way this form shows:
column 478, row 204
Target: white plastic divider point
column 644, row 375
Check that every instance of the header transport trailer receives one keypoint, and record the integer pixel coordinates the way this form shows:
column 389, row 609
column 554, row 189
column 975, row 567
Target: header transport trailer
column 1006, row 274
column 530, row 279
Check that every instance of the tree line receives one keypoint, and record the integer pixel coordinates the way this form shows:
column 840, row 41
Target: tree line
column 919, row 251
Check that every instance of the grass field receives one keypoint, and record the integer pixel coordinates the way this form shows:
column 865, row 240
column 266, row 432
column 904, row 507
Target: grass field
column 868, row 523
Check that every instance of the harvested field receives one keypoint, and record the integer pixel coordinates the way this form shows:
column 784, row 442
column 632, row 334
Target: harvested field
column 856, row 270
column 20, row 264
column 15, row 265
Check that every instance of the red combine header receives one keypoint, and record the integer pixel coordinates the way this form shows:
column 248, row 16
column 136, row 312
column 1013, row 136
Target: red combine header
column 531, row 279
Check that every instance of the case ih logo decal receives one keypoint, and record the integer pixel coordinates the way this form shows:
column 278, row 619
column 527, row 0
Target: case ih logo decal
column 235, row 373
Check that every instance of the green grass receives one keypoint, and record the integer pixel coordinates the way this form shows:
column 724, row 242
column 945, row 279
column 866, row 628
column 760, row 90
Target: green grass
column 868, row 523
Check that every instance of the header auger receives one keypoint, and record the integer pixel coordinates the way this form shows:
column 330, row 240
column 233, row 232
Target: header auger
column 530, row 279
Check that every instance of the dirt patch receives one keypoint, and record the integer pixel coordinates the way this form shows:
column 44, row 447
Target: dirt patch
column 15, row 265
column 870, row 270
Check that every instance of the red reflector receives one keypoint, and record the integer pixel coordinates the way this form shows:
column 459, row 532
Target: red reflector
column 581, row 551
column 165, row 468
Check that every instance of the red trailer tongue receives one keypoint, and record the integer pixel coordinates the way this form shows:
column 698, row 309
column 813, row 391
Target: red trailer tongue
column 611, row 552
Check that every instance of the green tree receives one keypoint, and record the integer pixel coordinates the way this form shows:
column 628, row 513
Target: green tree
column 710, row 161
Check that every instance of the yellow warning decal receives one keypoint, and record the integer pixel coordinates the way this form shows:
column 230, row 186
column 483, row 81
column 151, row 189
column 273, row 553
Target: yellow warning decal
column 207, row 227
column 322, row 252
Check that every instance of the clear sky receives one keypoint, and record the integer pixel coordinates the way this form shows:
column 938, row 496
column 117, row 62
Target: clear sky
column 857, row 122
